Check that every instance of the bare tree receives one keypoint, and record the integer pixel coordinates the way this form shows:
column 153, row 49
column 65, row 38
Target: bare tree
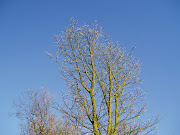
column 105, row 97
column 34, row 109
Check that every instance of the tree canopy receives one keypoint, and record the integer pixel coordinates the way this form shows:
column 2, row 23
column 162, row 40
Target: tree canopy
column 104, row 83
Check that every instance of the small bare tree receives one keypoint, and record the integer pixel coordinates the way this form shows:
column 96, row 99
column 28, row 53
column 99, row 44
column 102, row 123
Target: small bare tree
column 103, row 80
column 34, row 108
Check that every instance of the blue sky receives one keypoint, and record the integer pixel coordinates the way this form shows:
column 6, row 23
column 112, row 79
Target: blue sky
column 26, row 29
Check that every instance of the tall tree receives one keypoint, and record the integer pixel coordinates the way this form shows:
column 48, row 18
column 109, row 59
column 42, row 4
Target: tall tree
column 105, row 97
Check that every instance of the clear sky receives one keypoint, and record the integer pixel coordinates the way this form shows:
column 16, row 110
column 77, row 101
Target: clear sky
column 26, row 29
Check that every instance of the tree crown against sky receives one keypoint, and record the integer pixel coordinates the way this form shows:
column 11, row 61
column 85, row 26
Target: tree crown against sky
column 34, row 108
column 104, row 84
